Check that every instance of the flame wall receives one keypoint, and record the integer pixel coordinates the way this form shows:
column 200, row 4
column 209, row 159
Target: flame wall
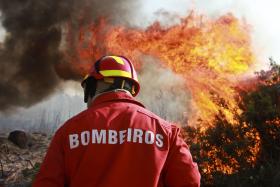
column 211, row 56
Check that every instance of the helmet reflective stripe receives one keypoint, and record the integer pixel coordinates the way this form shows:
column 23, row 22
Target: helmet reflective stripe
column 114, row 67
column 113, row 73
column 117, row 59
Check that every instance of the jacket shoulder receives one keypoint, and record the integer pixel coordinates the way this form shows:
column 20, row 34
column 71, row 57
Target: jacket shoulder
column 165, row 124
column 78, row 117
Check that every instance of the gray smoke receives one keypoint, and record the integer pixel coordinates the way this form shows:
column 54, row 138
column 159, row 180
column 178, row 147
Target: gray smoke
column 164, row 92
column 31, row 50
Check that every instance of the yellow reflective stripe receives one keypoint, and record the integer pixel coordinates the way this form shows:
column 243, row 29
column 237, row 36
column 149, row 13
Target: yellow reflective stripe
column 118, row 73
column 118, row 59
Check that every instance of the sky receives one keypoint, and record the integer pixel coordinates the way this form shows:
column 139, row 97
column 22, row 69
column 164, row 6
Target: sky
column 261, row 15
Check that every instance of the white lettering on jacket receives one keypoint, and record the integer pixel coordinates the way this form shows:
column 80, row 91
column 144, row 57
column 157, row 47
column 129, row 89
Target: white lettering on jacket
column 149, row 137
column 115, row 137
column 98, row 137
column 85, row 138
column 73, row 140
column 159, row 141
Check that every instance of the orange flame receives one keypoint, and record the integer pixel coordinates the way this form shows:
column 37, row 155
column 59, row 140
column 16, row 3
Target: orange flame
column 210, row 54
column 232, row 165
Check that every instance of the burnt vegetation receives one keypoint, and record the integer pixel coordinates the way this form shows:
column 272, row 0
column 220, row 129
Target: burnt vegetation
column 246, row 153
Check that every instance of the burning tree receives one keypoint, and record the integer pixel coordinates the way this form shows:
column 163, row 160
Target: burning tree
column 247, row 153
column 234, row 131
column 231, row 123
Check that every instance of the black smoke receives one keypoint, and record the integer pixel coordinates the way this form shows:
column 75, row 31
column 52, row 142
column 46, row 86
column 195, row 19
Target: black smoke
column 32, row 46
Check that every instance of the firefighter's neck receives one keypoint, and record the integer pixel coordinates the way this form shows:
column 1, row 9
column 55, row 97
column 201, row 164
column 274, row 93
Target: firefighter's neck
column 101, row 86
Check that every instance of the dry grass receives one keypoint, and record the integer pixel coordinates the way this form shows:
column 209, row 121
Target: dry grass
column 16, row 164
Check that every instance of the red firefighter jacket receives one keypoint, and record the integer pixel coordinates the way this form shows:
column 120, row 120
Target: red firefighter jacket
column 117, row 143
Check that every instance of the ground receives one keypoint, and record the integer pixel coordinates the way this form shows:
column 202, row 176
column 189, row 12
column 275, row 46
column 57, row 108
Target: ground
column 18, row 166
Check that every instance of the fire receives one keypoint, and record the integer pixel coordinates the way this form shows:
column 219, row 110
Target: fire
column 225, row 163
column 217, row 148
column 273, row 127
column 213, row 56
column 209, row 54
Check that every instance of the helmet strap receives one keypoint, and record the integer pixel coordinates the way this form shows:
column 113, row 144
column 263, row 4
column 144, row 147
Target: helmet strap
column 133, row 90
column 118, row 83
column 123, row 82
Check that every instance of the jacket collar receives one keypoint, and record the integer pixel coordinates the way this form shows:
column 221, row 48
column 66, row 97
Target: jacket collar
column 114, row 96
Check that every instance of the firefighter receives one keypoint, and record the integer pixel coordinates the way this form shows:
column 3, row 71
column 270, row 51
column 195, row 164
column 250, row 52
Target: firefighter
column 116, row 142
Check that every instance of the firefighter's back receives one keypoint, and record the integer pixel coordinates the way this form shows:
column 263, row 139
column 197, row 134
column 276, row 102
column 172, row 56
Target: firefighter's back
column 116, row 144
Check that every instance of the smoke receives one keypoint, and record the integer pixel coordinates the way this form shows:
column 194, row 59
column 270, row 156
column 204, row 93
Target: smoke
column 164, row 92
column 32, row 48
